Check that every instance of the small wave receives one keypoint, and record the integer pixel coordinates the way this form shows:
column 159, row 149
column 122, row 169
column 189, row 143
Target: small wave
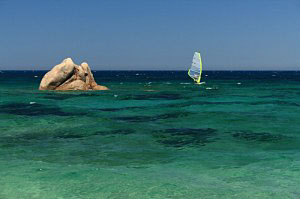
column 36, row 76
column 211, row 88
column 239, row 83
column 185, row 83
column 137, row 74
column 206, row 75
column 32, row 102
column 115, row 95
column 208, row 88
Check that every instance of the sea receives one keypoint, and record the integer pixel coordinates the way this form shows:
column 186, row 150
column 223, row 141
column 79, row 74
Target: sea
column 154, row 134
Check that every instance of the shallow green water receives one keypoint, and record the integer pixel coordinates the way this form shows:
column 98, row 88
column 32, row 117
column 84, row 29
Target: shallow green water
column 153, row 135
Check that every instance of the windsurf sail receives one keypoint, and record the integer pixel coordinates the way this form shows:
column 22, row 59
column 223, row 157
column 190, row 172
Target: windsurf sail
column 196, row 69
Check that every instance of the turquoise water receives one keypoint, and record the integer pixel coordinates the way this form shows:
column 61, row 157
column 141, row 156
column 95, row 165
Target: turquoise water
column 153, row 135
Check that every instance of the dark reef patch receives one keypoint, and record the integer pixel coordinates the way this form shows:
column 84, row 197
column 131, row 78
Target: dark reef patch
column 67, row 148
column 33, row 110
column 74, row 135
column 49, row 136
column 277, row 102
column 70, row 136
column 121, row 109
column 259, row 137
column 271, row 96
column 153, row 118
column 115, row 132
column 186, row 104
column 181, row 137
column 26, row 139
column 135, row 118
column 202, row 103
column 153, row 96
column 58, row 96
column 64, row 96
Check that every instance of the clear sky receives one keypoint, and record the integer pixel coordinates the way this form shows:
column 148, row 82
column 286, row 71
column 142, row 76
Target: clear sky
column 151, row 34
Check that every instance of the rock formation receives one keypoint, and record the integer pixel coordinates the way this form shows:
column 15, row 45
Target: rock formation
column 69, row 76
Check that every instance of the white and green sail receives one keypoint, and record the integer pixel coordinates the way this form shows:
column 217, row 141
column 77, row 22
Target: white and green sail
column 196, row 69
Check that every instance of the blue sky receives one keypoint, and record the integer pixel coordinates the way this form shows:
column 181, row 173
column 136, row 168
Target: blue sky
column 151, row 34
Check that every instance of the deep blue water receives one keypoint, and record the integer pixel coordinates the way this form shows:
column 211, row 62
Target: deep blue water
column 154, row 134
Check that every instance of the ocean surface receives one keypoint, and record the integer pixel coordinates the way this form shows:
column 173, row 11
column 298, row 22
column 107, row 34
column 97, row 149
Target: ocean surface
column 152, row 135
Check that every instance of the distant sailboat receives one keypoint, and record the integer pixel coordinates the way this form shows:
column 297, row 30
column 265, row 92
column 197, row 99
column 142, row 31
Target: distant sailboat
column 196, row 69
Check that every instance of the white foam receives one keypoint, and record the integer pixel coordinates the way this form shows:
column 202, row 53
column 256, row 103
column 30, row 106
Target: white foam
column 36, row 76
column 115, row 95
column 184, row 83
column 137, row 74
column 208, row 88
column 239, row 83
column 206, row 75
column 32, row 102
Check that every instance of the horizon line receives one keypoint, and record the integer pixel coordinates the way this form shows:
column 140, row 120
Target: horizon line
column 174, row 70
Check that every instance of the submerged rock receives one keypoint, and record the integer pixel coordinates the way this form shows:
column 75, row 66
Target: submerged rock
column 69, row 76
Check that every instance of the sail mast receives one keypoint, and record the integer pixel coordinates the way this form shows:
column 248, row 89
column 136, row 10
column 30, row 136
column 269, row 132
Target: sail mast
column 199, row 78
